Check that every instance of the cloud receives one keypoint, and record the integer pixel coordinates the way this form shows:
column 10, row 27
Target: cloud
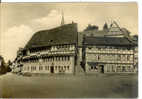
column 17, row 36
column 52, row 19
column 14, row 38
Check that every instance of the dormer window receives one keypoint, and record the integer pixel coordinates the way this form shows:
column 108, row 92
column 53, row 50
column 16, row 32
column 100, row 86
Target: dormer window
column 89, row 47
column 50, row 40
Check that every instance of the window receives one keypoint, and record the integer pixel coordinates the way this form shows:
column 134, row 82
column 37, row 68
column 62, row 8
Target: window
column 46, row 68
column 28, row 68
column 128, row 57
column 98, row 57
column 108, row 69
column 123, row 68
column 35, row 68
column 56, row 58
column 128, row 48
column 65, row 67
column 68, row 58
column 113, row 68
column 65, row 58
column 40, row 68
column 119, row 57
column 68, row 67
column 56, row 67
column 99, row 48
column 32, row 68
column 62, row 68
column 60, row 58
column 128, row 68
column 89, row 47
column 118, row 68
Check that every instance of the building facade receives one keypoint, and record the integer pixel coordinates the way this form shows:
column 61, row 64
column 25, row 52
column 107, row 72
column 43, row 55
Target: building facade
column 111, row 49
column 65, row 50
column 51, row 51
column 56, row 59
column 108, row 54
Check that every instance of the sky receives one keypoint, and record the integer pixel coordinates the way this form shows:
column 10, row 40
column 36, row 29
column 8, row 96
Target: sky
column 19, row 21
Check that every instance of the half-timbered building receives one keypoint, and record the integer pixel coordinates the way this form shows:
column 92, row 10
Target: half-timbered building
column 51, row 51
column 109, row 50
column 65, row 50
column 108, row 54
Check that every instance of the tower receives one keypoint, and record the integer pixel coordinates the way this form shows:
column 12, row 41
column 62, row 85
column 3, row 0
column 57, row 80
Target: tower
column 62, row 21
column 105, row 27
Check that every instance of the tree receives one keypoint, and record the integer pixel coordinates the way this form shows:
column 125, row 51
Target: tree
column 105, row 27
column 8, row 69
column 2, row 65
column 4, row 68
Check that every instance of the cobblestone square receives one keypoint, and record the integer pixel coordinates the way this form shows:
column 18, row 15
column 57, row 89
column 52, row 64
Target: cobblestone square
column 69, row 86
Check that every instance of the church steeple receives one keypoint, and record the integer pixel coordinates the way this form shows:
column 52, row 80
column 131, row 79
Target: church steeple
column 105, row 27
column 62, row 21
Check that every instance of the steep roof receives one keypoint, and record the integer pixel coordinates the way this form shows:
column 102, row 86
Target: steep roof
column 65, row 34
column 113, row 30
column 95, row 32
column 108, row 41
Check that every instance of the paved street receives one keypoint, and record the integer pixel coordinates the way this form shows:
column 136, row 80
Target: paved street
column 63, row 86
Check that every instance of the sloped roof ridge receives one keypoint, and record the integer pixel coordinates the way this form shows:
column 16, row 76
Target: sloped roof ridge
column 63, row 34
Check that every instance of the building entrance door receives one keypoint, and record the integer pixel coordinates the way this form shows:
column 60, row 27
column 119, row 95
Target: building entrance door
column 52, row 69
column 101, row 68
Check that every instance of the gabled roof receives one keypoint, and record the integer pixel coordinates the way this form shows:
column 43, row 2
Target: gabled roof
column 65, row 34
column 113, row 30
column 95, row 32
column 108, row 41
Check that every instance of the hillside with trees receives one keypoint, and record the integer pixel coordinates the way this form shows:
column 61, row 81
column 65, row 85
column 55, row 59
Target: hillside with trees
column 4, row 67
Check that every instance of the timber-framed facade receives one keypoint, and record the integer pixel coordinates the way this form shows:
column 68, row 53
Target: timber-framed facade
column 64, row 50
column 51, row 51
column 108, row 55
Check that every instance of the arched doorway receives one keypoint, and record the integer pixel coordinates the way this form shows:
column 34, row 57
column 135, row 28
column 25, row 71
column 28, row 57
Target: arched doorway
column 52, row 68
column 101, row 68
